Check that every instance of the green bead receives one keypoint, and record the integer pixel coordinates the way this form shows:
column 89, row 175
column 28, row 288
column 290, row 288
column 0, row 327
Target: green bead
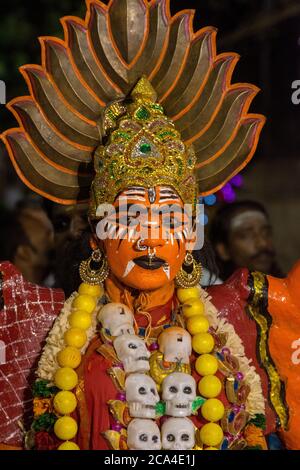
column 145, row 148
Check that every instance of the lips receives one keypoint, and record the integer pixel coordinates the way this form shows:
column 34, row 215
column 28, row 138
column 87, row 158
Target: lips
column 146, row 263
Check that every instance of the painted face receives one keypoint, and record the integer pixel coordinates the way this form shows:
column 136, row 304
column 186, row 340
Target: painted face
column 147, row 237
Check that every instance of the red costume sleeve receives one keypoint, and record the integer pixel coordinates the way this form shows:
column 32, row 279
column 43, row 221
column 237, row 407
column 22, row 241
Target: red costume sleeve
column 27, row 314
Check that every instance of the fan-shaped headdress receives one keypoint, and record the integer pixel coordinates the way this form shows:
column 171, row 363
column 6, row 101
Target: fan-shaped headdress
column 185, row 125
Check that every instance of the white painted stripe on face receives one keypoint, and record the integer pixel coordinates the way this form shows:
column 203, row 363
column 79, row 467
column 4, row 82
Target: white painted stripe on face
column 136, row 198
column 166, row 270
column 168, row 199
column 121, row 233
column 135, row 190
column 112, row 230
column 129, row 268
column 131, row 233
column 179, row 235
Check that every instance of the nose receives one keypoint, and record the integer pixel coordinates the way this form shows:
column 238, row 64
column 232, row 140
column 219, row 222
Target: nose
column 177, row 446
column 153, row 243
column 261, row 242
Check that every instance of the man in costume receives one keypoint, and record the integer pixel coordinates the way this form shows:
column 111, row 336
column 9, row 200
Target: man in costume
column 134, row 112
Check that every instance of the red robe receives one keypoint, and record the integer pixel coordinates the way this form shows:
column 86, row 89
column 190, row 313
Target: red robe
column 94, row 417
column 27, row 315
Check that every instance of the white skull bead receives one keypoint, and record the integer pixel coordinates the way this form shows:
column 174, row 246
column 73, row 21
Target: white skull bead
column 116, row 318
column 141, row 395
column 178, row 434
column 179, row 392
column 143, row 434
column 176, row 345
column 132, row 352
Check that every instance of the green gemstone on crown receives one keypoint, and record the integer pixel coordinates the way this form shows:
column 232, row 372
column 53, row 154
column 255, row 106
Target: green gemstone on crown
column 145, row 148
column 142, row 113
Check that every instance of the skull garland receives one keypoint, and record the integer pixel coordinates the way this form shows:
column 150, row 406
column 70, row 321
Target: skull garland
column 143, row 434
column 176, row 345
column 116, row 319
column 133, row 353
column 141, row 395
column 178, row 434
column 179, row 392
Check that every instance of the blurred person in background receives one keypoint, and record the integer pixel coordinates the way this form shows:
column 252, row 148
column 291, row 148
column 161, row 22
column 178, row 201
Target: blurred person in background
column 71, row 234
column 241, row 235
column 26, row 240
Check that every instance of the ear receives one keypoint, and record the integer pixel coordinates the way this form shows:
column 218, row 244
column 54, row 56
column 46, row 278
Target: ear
column 222, row 252
column 23, row 253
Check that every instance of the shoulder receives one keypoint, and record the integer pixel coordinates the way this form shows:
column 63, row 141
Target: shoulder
column 14, row 290
column 233, row 292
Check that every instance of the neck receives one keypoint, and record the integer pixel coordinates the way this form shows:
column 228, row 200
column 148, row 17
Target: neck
column 135, row 299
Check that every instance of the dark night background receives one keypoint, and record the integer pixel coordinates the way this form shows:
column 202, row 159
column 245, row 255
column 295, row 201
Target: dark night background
column 266, row 33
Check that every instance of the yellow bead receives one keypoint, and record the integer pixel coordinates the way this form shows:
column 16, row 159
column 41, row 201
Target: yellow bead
column 84, row 302
column 69, row 357
column 206, row 364
column 68, row 446
column 197, row 324
column 212, row 410
column 185, row 294
column 203, row 343
column 65, row 378
column 75, row 337
column 65, row 402
column 211, row 448
column 210, row 386
column 87, row 289
column 193, row 307
column 211, row 434
column 65, row 428
column 80, row 319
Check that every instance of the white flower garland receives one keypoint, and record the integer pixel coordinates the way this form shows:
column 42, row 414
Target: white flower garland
column 48, row 364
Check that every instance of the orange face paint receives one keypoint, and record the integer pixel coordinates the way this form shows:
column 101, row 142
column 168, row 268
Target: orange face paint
column 148, row 242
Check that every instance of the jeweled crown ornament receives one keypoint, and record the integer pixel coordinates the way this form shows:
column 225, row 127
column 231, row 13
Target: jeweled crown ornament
column 144, row 148
column 79, row 95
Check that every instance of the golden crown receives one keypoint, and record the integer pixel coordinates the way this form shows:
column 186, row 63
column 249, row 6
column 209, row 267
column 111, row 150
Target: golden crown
column 143, row 149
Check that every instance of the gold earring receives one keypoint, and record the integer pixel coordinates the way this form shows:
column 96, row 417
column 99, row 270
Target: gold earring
column 185, row 279
column 94, row 276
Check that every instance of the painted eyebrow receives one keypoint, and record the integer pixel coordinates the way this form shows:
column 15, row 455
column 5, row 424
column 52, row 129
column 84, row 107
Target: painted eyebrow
column 167, row 194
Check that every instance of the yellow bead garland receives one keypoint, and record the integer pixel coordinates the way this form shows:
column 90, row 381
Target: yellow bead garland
column 206, row 365
column 69, row 358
